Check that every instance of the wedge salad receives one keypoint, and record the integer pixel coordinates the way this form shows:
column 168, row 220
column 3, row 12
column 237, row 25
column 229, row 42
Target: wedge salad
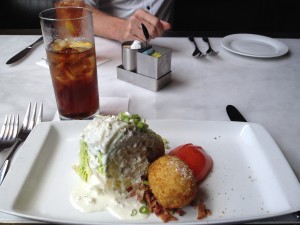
column 123, row 168
column 114, row 155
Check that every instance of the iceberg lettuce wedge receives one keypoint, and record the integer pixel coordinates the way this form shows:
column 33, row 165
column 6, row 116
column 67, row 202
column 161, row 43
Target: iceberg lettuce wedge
column 119, row 148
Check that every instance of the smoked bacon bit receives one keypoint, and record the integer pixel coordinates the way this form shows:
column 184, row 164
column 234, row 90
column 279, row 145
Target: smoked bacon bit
column 155, row 207
column 202, row 211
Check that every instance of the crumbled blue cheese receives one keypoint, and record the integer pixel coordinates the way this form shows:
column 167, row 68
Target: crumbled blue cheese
column 101, row 131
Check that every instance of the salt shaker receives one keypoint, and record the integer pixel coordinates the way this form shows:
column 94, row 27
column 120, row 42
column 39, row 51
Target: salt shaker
column 129, row 52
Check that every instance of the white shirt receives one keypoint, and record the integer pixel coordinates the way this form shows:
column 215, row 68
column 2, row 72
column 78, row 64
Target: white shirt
column 162, row 9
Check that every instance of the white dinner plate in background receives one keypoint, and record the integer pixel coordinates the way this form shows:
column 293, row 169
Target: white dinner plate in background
column 254, row 45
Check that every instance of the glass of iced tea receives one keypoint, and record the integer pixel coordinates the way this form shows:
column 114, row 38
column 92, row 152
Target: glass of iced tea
column 69, row 41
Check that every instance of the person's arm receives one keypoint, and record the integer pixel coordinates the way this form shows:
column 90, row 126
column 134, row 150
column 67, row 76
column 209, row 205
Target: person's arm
column 127, row 29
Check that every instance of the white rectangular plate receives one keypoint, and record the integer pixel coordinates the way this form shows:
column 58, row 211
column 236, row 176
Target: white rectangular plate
column 250, row 180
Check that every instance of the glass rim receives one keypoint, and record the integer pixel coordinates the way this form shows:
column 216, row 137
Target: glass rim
column 65, row 19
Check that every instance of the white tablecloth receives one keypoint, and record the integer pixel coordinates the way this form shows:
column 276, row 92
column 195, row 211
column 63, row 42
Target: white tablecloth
column 267, row 91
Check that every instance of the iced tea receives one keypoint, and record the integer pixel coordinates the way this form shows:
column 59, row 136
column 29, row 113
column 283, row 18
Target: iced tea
column 74, row 76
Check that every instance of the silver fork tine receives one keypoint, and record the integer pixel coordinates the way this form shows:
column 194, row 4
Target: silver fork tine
column 8, row 126
column 32, row 120
column 6, row 133
column 40, row 115
column 3, row 129
column 26, row 118
column 15, row 127
column 11, row 126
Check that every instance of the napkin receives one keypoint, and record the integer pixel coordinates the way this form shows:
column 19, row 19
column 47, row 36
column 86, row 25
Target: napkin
column 100, row 60
column 108, row 106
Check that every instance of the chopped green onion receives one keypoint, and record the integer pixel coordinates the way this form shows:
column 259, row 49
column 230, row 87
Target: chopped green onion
column 145, row 182
column 171, row 212
column 124, row 117
column 166, row 142
column 140, row 124
column 133, row 212
column 133, row 119
column 144, row 209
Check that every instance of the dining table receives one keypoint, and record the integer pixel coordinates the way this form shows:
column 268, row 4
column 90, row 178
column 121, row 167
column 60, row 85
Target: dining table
column 265, row 89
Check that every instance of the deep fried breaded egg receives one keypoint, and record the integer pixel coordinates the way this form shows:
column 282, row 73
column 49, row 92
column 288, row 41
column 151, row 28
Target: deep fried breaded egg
column 172, row 182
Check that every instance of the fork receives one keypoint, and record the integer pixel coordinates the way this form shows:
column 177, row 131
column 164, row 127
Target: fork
column 26, row 128
column 209, row 51
column 9, row 130
column 197, row 52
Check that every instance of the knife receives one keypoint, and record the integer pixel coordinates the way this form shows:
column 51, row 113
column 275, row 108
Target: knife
column 24, row 52
column 234, row 114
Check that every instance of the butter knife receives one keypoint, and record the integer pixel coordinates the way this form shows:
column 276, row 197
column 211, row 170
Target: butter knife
column 24, row 52
column 234, row 114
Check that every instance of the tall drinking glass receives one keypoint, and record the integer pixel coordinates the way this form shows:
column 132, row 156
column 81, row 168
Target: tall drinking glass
column 69, row 41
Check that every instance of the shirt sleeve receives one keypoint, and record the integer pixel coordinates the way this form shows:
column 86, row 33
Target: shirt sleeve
column 93, row 3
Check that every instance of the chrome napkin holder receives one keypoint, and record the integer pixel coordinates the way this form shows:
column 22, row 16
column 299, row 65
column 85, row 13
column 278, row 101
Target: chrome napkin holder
column 152, row 73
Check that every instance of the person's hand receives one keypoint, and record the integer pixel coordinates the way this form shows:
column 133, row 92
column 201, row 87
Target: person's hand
column 131, row 28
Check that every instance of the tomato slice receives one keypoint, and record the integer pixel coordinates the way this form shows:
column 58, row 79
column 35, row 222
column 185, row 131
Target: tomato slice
column 196, row 158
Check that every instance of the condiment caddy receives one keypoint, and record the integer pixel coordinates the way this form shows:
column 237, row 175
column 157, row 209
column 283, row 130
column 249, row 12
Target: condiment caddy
column 148, row 66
